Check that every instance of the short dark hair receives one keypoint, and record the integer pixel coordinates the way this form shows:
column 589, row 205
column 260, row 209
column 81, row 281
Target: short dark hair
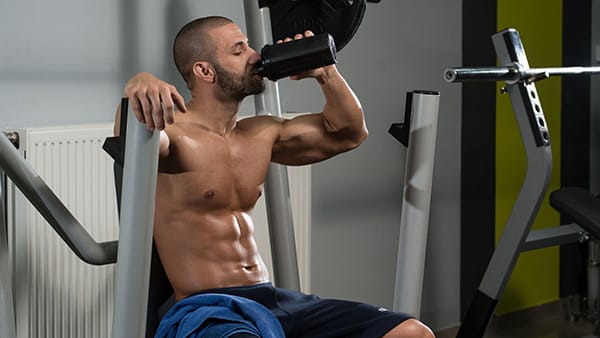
column 193, row 43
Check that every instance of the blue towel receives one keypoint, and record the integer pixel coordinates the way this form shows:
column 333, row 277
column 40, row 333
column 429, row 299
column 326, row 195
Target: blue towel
column 218, row 315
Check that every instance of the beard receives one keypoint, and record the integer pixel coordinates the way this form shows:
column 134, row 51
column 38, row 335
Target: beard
column 237, row 87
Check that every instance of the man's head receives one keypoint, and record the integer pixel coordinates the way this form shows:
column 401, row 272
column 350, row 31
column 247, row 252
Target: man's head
column 213, row 49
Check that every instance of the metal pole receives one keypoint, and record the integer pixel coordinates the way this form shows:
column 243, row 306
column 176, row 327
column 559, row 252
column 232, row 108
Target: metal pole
column 277, row 191
column 481, row 74
column 135, row 239
column 513, row 73
column 7, row 309
column 416, row 201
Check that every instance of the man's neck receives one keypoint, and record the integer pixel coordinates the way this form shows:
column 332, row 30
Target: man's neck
column 220, row 117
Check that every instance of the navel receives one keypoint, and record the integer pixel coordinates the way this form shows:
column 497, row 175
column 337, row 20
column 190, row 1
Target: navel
column 250, row 268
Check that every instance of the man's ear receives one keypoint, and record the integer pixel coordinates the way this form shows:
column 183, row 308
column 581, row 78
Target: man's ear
column 205, row 71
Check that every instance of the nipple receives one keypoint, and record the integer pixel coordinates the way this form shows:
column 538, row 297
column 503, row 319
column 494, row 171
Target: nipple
column 209, row 194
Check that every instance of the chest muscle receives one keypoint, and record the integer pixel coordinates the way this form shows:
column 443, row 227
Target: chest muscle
column 214, row 173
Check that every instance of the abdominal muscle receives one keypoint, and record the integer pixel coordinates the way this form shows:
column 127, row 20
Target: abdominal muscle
column 205, row 249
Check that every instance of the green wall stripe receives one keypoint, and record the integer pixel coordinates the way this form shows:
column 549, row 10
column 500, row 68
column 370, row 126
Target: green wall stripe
column 535, row 278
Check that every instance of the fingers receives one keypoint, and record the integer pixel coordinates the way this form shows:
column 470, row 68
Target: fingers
column 137, row 109
column 167, row 106
column 303, row 75
column 156, row 111
column 144, row 108
column 179, row 101
column 153, row 101
column 307, row 34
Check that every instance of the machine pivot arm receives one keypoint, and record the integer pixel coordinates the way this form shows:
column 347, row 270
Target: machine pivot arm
column 52, row 209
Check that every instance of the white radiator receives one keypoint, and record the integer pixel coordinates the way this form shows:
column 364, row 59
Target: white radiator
column 57, row 294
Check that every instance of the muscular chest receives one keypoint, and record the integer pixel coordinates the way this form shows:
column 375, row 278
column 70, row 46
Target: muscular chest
column 217, row 172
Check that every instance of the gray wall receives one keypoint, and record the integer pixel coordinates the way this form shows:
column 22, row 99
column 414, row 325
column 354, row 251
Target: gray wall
column 401, row 46
column 66, row 63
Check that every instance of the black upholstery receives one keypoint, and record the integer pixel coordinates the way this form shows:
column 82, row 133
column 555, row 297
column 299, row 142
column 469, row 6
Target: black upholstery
column 580, row 205
column 583, row 208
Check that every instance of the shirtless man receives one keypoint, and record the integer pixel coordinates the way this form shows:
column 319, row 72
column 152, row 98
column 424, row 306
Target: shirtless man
column 212, row 169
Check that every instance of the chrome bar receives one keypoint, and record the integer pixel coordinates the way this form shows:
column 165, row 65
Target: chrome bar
column 481, row 74
column 513, row 73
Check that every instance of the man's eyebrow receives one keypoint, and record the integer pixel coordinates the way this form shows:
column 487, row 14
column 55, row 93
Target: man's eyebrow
column 239, row 44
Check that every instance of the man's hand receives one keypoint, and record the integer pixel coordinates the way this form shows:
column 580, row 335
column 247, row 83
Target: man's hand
column 153, row 100
column 317, row 73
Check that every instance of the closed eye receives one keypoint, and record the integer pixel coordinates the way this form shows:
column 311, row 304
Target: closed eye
column 239, row 47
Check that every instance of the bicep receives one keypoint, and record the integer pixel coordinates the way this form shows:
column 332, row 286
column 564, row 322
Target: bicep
column 307, row 139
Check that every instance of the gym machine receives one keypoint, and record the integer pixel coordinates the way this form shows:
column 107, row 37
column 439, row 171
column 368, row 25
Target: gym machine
column 139, row 180
column 136, row 230
column 520, row 85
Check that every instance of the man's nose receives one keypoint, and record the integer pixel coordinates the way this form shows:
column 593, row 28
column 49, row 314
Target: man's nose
column 255, row 57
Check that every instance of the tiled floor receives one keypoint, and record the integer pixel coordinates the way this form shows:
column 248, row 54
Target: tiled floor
column 547, row 321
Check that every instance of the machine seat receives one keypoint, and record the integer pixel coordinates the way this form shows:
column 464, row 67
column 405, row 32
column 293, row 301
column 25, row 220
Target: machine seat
column 580, row 205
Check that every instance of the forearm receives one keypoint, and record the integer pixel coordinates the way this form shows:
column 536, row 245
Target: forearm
column 342, row 111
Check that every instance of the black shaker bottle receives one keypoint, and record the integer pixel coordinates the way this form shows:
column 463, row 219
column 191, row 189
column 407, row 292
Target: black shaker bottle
column 293, row 57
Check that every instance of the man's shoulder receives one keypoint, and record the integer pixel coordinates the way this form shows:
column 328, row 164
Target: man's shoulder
column 260, row 119
column 258, row 122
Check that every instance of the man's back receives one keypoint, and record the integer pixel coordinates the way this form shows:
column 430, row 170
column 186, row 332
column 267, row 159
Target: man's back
column 207, row 187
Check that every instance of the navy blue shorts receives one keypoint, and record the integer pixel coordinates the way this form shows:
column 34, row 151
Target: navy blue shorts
column 303, row 315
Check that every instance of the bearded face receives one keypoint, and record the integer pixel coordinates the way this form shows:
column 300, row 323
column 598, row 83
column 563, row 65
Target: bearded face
column 238, row 86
